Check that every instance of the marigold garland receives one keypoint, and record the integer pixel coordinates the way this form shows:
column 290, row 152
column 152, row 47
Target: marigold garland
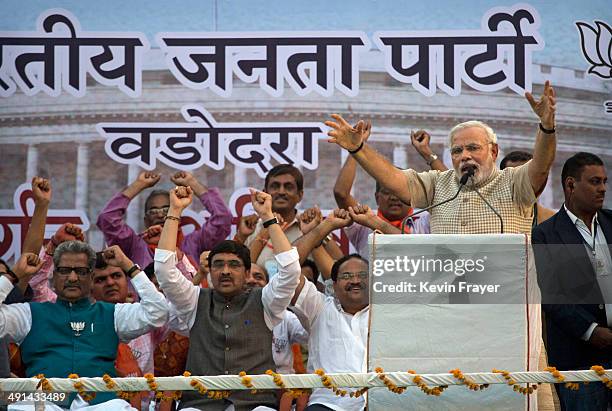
column 418, row 380
column 44, row 383
column 78, row 385
column 515, row 387
column 560, row 378
column 388, row 383
column 466, row 381
column 110, row 384
column 247, row 381
column 211, row 394
column 329, row 384
column 278, row 380
column 601, row 372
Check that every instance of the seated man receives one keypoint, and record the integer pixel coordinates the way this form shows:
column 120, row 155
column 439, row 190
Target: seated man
column 229, row 326
column 140, row 248
column 74, row 321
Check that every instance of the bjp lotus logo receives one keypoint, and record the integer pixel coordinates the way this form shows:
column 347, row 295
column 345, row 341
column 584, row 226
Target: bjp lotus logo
column 596, row 45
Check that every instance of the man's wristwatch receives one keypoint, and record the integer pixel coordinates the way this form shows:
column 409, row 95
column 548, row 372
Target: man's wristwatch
column 132, row 270
column 271, row 221
column 431, row 159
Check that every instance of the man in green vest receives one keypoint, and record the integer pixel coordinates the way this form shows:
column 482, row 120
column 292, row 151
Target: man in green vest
column 76, row 335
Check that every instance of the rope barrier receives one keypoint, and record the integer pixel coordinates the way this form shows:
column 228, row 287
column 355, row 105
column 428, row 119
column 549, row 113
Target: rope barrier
column 304, row 381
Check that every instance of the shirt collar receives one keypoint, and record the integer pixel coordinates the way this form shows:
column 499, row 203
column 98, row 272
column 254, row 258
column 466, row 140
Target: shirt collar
column 339, row 307
column 83, row 302
column 576, row 220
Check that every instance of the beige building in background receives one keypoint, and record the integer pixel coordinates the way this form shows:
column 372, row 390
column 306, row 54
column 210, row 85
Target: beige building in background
column 56, row 137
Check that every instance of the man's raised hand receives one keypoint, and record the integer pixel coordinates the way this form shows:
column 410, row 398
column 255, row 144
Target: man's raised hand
column 309, row 219
column 148, row 179
column 41, row 188
column 114, row 256
column 247, row 224
column 262, row 204
column 180, row 198
column 339, row 218
column 345, row 135
column 27, row 265
column 545, row 107
column 361, row 214
column 420, row 141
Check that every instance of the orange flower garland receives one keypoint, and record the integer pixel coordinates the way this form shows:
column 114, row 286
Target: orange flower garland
column 327, row 382
column 247, row 381
column 79, row 387
column 418, row 380
column 278, row 380
column 44, row 383
column 516, row 387
column 466, row 381
column 388, row 383
column 213, row 395
column 600, row 371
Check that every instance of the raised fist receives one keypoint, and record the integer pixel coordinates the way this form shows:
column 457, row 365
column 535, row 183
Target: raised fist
column 247, row 224
column 41, row 188
column 114, row 256
column 262, row 204
column 361, row 214
column 339, row 218
column 309, row 219
column 180, row 197
column 148, row 178
column 27, row 265
column 152, row 234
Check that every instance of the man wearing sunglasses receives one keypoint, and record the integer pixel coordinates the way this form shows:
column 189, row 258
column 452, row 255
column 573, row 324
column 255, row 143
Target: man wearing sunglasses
column 76, row 334
column 230, row 326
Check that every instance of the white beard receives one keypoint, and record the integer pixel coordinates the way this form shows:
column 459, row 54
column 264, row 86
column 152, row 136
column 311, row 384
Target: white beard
column 481, row 173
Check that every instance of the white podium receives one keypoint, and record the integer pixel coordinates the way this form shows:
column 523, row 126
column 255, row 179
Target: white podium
column 437, row 327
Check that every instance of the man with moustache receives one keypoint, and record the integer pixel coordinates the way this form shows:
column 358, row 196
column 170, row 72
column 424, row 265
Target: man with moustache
column 80, row 336
column 338, row 324
column 473, row 145
column 229, row 325
column 140, row 248
column 572, row 251
column 285, row 184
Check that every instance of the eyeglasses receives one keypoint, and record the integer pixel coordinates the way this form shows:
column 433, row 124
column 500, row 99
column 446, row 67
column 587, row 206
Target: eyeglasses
column 80, row 271
column 362, row 275
column 157, row 211
column 471, row 148
column 220, row 264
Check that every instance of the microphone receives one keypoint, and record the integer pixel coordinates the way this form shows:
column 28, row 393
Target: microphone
column 469, row 172
column 501, row 220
